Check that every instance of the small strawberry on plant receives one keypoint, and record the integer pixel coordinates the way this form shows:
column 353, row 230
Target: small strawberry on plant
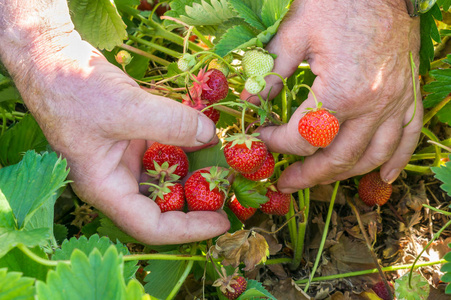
column 206, row 189
column 220, row 65
column 255, row 84
column 245, row 153
column 161, row 153
column 265, row 171
column 186, row 62
column 257, row 61
column 231, row 286
column 169, row 196
column 318, row 126
column 123, row 57
column 373, row 190
column 241, row 212
column 381, row 291
column 212, row 113
column 278, row 204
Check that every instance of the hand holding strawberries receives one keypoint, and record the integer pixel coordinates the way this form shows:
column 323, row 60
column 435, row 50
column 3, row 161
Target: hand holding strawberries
column 100, row 121
column 360, row 53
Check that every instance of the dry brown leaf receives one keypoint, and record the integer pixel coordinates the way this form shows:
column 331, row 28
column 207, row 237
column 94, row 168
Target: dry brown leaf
column 288, row 290
column 245, row 246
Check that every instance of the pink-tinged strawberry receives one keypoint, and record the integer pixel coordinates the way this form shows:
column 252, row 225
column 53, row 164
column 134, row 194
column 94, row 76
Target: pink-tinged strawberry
column 161, row 153
column 245, row 153
column 212, row 113
column 373, row 190
column 241, row 212
column 169, row 196
column 211, row 86
column 319, row 127
column 278, row 203
column 205, row 190
column 265, row 171
column 231, row 286
column 381, row 291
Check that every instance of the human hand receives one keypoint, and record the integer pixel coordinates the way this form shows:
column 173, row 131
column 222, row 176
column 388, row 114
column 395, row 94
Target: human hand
column 102, row 122
column 359, row 51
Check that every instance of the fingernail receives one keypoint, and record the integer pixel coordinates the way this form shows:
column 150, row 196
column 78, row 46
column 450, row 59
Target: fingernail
column 205, row 129
column 392, row 175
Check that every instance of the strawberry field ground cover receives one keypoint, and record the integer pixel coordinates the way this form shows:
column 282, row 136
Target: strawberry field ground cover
column 321, row 243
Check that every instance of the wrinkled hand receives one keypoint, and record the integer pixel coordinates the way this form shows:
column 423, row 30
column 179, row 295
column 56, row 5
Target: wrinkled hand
column 359, row 51
column 101, row 122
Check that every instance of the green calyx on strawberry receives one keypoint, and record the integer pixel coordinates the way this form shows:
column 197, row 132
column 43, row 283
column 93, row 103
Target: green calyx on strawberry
column 163, row 173
column 255, row 84
column 231, row 286
column 205, row 190
column 373, row 190
column 186, row 62
column 161, row 153
column 257, row 61
column 318, row 126
column 169, row 196
column 278, row 203
column 245, row 153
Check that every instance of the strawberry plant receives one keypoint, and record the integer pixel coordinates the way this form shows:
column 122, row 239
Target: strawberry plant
column 319, row 240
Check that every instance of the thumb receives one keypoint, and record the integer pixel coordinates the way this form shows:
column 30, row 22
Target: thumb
column 290, row 46
column 152, row 117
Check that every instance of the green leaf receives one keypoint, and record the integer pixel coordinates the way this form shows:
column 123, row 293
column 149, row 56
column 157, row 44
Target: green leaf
column 60, row 232
column 13, row 286
column 443, row 173
column 445, row 4
column 109, row 229
column 274, row 10
column 235, row 38
column 98, row 22
column 23, row 136
column 9, row 93
column 438, row 89
column 249, row 193
column 428, row 31
column 95, row 242
column 255, row 290
column 16, row 260
column 244, row 11
column 212, row 12
column 213, row 156
column 87, row 277
column 7, row 219
column 11, row 238
column 163, row 276
column 37, row 180
column 444, row 114
column 135, row 290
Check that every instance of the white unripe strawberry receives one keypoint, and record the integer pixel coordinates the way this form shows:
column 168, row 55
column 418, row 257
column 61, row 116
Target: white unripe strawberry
column 257, row 62
column 185, row 62
column 255, row 84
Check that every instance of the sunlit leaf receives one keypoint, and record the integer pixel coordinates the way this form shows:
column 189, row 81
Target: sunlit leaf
column 13, row 286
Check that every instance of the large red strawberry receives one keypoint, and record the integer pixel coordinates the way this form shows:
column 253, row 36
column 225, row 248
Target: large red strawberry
column 319, row 127
column 242, row 213
column 245, row 153
column 206, row 189
column 161, row 153
column 278, row 203
column 265, row 171
column 169, row 196
column 373, row 190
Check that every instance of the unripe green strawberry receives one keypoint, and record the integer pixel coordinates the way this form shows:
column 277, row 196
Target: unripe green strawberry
column 185, row 62
column 257, row 62
column 373, row 190
column 255, row 84
column 123, row 57
column 319, row 127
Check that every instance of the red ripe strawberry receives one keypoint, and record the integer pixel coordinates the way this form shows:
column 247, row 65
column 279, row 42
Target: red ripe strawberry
column 218, row 87
column 166, row 153
column 168, row 196
column 235, row 288
column 373, row 190
column 206, row 189
column 265, row 171
column 196, row 103
column 278, row 203
column 319, row 127
column 381, row 291
column 240, row 211
column 213, row 114
column 245, row 153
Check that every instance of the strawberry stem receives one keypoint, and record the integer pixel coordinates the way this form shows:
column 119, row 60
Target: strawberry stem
column 317, row 104
column 412, row 66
